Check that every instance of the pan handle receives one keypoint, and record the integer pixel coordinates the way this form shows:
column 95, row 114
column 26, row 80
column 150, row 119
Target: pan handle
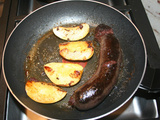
column 151, row 82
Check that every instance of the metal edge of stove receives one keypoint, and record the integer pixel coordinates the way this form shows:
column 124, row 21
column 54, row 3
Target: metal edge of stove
column 153, row 53
column 130, row 7
column 143, row 109
column 150, row 81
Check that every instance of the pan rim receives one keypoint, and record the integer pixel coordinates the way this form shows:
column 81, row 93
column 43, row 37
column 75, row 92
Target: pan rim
column 103, row 115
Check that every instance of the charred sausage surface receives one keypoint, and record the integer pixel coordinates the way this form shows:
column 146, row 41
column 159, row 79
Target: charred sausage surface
column 102, row 82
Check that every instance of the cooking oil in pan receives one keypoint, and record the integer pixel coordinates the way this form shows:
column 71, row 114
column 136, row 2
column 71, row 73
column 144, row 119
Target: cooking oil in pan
column 46, row 50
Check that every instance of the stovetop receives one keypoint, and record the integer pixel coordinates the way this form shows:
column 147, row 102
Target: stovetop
column 143, row 105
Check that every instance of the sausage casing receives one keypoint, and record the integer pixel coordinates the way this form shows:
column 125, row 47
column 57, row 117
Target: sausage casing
column 93, row 92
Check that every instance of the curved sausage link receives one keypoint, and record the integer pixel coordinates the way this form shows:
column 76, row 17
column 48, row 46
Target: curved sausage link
column 102, row 82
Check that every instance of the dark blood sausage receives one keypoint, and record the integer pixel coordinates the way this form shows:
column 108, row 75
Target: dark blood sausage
column 102, row 82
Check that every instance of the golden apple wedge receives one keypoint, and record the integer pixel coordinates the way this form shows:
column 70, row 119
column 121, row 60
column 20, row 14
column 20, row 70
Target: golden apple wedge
column 72, row 33
column 64, row 74
column 81, row 50
column 42, row 92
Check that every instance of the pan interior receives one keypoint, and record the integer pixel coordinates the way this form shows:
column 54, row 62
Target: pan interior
column 46, row 50
column 33, row 38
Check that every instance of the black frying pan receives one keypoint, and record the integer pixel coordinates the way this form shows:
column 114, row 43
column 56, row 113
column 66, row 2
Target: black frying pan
column 35, row 25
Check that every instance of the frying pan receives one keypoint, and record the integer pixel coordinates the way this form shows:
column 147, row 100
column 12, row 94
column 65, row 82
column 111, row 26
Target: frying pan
column 34, row 26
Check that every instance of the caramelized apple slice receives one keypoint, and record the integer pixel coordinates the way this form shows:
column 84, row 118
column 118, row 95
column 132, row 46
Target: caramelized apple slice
column 64, row 74
column 72, row 33
column 81, row 50
column 44, row 92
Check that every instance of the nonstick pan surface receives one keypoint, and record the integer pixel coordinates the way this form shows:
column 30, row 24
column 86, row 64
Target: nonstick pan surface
column 33, row 34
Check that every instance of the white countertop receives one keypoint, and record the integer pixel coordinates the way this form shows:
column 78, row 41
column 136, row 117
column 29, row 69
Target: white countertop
column 152, row 8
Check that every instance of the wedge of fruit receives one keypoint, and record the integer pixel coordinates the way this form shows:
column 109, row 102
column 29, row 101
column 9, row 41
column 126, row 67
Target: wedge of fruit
column 81, row 50
column 42, row 92
column 72, row 33
column 64, row 74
